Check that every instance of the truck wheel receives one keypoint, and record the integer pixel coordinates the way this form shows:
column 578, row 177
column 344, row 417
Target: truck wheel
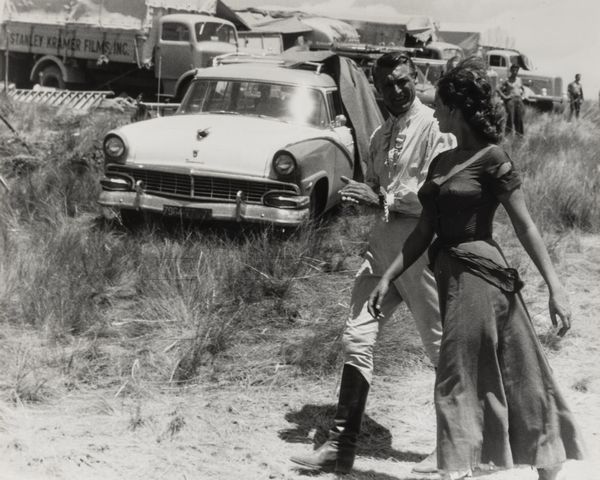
column 51, row 76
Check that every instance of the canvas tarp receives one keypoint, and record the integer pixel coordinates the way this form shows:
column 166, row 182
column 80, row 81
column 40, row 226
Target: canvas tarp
column 468, row 37
column 126, row 14
column 393, row 30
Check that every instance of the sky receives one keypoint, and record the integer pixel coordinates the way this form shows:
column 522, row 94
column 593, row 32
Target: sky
column 560, row 37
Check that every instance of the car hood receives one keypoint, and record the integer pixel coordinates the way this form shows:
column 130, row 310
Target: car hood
column 219, row 143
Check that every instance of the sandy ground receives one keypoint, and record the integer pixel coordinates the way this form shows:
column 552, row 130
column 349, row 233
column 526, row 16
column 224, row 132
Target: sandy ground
column 241, row 432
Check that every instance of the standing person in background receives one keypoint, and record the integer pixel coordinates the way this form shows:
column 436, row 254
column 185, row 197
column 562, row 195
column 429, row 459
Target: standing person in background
column 575, row 92
column 495, row 396
column 511, row 90
column 400, row 153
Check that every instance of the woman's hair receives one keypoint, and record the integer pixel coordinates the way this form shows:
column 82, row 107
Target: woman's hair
column 467, row 88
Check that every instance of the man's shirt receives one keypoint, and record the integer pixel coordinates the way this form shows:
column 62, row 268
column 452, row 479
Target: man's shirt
column 513, row 89
column 400, row 153
column 575, row 91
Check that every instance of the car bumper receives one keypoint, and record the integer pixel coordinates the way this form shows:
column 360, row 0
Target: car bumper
column 544, row 100
column 238, row 211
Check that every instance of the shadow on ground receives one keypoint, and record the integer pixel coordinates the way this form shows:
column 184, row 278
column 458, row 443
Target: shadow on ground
column 312, row 423
column 365, row 475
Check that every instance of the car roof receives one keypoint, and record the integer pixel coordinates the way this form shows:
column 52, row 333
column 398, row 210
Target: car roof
column 269, row 72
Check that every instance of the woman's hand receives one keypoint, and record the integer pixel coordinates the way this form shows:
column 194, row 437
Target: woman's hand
column 559, row 306
column 376, row 298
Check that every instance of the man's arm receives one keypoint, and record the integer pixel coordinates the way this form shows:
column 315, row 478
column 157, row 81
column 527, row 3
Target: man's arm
column 501, row 89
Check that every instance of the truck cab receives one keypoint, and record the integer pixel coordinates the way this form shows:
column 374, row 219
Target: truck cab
column 544, row 92
column 187, row 41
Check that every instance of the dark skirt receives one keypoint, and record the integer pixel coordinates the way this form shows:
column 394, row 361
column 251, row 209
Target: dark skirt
column 496, row 399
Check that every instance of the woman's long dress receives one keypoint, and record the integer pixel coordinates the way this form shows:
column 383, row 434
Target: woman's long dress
column 496, row 399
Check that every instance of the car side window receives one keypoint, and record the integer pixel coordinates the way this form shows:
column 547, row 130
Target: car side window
column 175, row 32
column 335, row 103
column 219, row 96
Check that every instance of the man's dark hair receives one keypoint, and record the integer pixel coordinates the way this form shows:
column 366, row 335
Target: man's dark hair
column 389, row 61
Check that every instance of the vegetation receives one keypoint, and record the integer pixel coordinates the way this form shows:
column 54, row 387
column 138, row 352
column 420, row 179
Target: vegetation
column 85, row 302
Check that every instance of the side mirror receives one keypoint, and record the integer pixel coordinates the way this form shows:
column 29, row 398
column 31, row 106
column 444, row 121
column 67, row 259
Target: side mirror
column 340, row 121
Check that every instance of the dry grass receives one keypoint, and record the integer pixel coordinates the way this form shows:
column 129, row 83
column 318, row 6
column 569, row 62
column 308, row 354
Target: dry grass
column 163, row 306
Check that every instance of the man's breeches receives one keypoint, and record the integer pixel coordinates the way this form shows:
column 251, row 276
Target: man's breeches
column 416, row 287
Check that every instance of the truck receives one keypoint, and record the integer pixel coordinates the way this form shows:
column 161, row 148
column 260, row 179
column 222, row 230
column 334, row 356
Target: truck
column 544, row 92
column 134, row 46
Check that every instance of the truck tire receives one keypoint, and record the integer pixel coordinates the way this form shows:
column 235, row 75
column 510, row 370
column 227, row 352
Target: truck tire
column 51, row 76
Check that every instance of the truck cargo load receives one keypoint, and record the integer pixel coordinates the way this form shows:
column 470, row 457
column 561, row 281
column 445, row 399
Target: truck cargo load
column 132, row 46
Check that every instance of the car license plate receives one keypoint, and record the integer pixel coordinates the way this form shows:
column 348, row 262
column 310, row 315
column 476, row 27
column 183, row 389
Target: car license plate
column 187, row 212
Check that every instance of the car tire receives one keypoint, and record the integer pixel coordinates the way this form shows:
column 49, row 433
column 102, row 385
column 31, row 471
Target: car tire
column 318, row 200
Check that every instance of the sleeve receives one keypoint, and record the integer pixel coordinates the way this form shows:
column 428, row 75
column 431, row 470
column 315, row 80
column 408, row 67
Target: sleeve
column 501, row 172
column 433, row 166
column 437, row 142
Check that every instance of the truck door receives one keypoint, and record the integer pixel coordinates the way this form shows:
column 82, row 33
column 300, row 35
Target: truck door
column 174, row 54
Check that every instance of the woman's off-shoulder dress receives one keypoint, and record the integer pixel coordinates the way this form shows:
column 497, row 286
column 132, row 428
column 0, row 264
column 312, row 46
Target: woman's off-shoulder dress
column 496, row 399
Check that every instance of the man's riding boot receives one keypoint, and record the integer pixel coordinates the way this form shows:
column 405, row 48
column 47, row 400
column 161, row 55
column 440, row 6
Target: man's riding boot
column 338, row 452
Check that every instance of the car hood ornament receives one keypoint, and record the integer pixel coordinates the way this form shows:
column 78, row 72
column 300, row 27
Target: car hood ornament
column 202, row 133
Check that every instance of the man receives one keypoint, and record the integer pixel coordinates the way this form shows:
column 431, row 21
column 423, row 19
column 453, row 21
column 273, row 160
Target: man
column 511, row 90
column 400, row 153
column 575, row 91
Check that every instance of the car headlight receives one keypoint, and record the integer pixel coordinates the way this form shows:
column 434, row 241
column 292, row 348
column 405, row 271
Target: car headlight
column 114, row 148
column 284, row 164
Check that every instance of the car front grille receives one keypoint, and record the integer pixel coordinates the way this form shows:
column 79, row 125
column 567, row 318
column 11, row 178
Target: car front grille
column 200, row 187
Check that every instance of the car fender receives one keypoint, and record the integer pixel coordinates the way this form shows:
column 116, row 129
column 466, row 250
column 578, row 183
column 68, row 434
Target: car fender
column 322, row 157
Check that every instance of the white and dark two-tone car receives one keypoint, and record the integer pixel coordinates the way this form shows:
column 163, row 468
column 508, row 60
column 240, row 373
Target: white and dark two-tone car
column 252, row 141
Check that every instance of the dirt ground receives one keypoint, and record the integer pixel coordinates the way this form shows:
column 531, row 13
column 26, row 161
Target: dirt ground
column 244, row 432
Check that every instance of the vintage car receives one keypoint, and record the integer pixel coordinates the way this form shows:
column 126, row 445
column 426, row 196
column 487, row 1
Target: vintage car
column 255, row 141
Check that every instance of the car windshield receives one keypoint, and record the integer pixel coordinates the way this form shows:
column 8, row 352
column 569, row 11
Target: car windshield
column 288, row 103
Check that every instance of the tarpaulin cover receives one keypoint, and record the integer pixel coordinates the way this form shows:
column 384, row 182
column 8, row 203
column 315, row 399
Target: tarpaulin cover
column 469, row 41
column 357, row 95
column 129, row 14
column 283, row 25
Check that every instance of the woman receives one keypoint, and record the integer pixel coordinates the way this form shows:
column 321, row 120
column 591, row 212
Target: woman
column 496, row 401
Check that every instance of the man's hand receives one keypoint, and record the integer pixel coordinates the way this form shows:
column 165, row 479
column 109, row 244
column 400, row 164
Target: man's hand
column 356, row 192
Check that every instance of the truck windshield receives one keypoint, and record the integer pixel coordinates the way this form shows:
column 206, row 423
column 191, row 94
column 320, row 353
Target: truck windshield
column 429, row 73
column 288, row 103
column 215, row 32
